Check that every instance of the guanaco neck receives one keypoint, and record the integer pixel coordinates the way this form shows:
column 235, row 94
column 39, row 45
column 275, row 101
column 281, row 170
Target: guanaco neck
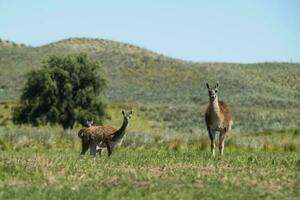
column 121, row 132
column 214, row 106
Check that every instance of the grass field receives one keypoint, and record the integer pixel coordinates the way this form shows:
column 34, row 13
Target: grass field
column 44, row 163
column 156, row 161
column 150, row 173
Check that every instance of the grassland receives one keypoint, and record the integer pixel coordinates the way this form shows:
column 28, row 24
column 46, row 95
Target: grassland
column 165, row 154
column 44, row 163
column 149, row 174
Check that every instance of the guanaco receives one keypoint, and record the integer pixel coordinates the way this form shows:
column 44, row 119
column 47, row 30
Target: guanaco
column 100, row 137
column 217, row 118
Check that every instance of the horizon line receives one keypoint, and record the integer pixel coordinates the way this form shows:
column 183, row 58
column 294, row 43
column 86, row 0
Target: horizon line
column 156, row 52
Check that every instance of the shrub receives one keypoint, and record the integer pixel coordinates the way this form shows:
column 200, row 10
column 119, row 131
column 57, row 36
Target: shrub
column 65, row 90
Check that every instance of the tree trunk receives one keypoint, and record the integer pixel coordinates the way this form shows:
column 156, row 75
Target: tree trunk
column 67, row 119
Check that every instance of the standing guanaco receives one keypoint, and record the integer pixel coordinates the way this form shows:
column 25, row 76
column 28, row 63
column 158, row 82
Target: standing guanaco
column 103, row 136
column 218, row 118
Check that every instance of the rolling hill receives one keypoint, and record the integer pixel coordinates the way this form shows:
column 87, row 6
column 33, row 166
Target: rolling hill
column 167, row 90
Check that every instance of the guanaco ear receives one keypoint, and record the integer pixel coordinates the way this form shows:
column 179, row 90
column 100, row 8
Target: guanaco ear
column 131, row 113
column 207, row 85
column 217, row 85
column 123, row 113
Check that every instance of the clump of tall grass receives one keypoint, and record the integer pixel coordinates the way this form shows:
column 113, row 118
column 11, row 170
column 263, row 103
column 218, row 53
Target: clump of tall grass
column 18, row 138
column 47, row 137
column 284, row 140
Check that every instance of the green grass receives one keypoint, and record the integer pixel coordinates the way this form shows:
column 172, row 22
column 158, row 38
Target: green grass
column 153, row 173
column 44, row 163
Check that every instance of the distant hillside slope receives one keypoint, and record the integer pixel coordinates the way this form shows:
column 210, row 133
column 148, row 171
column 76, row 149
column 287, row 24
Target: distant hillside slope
column 16, row 60
column 264, row 95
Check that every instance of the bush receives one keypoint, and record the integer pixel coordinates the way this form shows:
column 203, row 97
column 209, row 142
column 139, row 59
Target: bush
column 65, row 90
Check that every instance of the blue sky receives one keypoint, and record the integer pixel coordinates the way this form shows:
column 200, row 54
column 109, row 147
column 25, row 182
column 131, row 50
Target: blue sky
column 214, row 31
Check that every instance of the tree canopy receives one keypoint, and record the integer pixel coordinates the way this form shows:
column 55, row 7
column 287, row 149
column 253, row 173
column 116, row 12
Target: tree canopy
column 65, row 90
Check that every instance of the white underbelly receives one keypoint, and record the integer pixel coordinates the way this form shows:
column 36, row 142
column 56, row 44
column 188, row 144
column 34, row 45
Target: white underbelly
column 117, row 143
column 102, row 144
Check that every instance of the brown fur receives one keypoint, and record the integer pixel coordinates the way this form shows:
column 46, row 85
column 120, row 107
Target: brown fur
column 224, row 116
column 100, row 132
column 218, row 118
column 97, row 135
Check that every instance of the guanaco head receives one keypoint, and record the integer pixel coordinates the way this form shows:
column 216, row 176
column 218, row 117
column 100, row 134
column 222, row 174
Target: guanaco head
column 89, row 123
column 127, row 115
column 212, row 92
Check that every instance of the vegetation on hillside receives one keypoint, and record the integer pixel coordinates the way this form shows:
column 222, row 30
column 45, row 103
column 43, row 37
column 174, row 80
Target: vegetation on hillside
column 262, row 96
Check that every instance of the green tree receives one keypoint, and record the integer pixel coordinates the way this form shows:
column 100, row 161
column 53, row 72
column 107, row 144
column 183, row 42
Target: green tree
column 65, row 90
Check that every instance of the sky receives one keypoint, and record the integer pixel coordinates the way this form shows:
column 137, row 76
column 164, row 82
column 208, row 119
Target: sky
column 205, row 31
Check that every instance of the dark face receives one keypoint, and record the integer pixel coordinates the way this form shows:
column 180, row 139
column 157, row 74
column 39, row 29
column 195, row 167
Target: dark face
column 127, row 115
column 212, row 92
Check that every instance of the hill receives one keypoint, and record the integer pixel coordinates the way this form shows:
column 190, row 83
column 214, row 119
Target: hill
column 167, row 90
